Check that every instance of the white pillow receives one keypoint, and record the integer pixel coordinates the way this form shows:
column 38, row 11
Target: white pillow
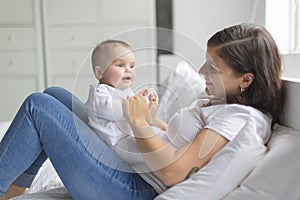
column 224, row 172
column 182, row 87
column 277, row 176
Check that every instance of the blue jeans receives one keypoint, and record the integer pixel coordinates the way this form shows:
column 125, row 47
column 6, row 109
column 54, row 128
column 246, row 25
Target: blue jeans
column 53, row 125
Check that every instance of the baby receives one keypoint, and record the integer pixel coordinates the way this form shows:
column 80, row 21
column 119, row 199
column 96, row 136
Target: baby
column 113, row 64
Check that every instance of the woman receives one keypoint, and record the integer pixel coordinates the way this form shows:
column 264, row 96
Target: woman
column 242, row 67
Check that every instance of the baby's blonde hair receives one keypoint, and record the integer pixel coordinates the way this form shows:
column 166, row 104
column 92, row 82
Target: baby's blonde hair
column 99, row 49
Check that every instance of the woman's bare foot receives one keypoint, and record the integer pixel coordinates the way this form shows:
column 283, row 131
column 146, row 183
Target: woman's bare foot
column 13, row 191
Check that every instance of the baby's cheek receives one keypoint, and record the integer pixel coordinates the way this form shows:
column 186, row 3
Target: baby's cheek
column 133, row 74
column 116, row 80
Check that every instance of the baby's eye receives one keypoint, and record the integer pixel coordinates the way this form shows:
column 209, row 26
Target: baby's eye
column 119, row 65
column 131, row 66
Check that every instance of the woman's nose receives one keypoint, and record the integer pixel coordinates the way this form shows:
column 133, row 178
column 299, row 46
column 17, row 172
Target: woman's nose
column 203, row 70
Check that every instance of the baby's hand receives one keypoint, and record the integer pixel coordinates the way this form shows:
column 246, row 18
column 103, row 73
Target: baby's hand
column 152, row 100
column 204, row 102
column 209, row 101
column 150, row 96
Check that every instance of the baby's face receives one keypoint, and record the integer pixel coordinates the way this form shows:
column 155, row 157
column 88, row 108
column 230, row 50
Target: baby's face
column 120, row 73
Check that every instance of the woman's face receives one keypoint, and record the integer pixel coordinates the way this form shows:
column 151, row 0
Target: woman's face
column 220, row 78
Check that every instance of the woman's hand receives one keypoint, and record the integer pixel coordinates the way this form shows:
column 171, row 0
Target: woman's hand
column 136, row 111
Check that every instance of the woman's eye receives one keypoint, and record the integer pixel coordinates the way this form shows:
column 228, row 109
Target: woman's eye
column 212, row 68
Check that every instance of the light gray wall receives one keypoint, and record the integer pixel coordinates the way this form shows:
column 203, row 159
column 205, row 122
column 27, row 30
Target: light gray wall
column 196, row 20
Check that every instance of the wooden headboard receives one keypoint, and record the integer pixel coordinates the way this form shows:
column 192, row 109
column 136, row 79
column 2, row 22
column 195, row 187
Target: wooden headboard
column 292, row 106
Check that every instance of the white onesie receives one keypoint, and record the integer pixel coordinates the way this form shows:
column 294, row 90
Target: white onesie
column 107, row 119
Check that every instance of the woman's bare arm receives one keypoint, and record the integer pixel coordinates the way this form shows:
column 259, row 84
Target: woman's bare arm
column 169, row 164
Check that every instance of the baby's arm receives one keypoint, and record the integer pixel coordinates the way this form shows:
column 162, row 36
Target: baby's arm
column 151, row 98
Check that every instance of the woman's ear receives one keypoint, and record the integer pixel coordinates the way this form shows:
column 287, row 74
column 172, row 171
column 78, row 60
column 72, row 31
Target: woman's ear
column 98, row 72
column 247, row 79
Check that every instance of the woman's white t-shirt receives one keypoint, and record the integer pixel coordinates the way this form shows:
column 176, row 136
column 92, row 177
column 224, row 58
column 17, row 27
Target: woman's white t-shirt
column 227, row 120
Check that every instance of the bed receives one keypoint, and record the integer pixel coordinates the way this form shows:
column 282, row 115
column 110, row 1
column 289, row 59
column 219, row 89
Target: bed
column 242, row 170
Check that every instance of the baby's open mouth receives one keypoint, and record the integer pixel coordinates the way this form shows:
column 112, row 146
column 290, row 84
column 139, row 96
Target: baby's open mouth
column 126, row 78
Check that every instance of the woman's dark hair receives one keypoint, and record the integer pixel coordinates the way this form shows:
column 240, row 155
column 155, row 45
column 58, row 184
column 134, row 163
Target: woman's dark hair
column 251, row 48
